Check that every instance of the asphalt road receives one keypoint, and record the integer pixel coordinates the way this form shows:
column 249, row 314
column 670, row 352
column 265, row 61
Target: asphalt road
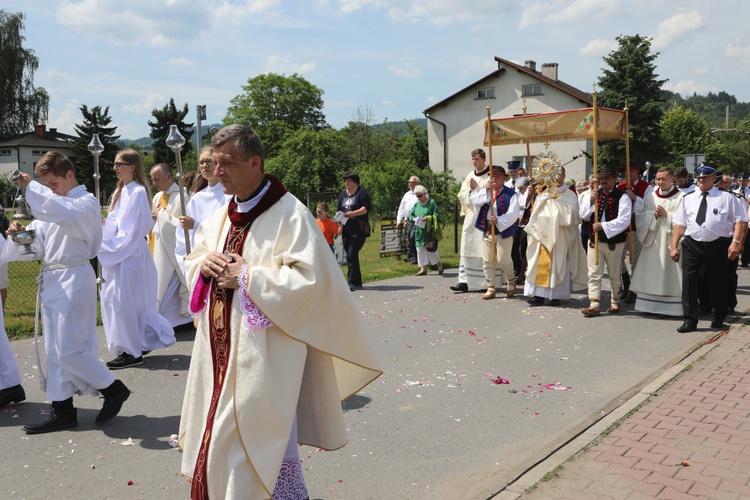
column 435, row 425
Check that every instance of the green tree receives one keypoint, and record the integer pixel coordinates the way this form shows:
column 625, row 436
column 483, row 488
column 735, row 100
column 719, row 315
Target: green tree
column 370, row 142
column 164, row 117
column 414, row 144
column 275, row 105
column 729, row 148
column 21, row 104
column 684, row 132
column 96, row 121
column 631, row 80
column 310, row 161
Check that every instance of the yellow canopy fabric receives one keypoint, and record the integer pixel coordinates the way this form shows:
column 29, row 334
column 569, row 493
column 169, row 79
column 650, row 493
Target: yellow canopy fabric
column 570, row 125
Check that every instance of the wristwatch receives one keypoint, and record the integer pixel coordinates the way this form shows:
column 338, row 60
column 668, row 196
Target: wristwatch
column 736, row 241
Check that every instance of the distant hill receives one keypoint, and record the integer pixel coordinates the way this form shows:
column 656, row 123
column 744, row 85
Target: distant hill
column 144, row 143
column 712, row 107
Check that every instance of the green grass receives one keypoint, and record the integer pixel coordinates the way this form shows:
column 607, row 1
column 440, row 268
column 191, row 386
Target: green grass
column 19, row 308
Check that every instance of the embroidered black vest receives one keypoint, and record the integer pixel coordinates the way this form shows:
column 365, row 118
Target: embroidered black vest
column 609, row 205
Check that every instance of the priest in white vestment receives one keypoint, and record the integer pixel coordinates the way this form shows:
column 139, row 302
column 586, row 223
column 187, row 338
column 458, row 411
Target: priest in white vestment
column 657, row 279
column 556, row 258
column 172, row 292
column 280, row 340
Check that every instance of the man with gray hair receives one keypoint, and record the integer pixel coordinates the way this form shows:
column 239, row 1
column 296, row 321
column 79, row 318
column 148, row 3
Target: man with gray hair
column 402, row 217
column 271, row 363
column 172, row 290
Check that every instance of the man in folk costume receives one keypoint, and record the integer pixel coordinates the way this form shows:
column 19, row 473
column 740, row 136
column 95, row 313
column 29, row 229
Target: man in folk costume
column 556, row 257
column 614, row 210
column 470, row 273
column 172, row 292
column 639, row 189
column 280, row 340
column 502, row 214
column 657, row 280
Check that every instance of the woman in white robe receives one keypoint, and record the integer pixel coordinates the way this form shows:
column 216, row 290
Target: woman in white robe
column 132, row 322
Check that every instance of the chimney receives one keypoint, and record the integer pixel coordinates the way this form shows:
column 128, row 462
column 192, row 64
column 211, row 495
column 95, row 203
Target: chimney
column 40, row 129
column 52, row 130
column 530, row 64
column 550, row 70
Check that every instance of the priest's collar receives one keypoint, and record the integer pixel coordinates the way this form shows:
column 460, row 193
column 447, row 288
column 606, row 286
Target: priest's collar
column 482, row 172
column 247, row 205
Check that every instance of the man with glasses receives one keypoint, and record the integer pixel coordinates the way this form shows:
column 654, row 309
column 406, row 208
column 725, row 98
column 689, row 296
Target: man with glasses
column 402, row 217
column 172, row 291
column 610, row 223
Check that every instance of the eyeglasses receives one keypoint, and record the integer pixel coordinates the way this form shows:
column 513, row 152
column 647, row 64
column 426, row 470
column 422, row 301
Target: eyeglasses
column 420, row 196
column 119, row 164
column 206, row 162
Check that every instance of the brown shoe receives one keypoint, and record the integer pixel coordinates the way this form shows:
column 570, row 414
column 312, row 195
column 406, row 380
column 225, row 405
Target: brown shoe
column 510, row 292
column 591, row 311
column 613, row 310
column 489, row 294
column 421, row 272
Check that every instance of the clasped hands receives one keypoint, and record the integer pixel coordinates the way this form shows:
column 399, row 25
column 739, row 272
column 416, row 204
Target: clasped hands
column 225, row 269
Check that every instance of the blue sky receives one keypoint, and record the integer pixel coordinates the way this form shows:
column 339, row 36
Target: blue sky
column 395, row 57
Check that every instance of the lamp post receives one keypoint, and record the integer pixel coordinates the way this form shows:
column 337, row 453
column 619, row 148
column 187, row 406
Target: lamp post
column 648, row 171
column 96, row 148
column 175, row 141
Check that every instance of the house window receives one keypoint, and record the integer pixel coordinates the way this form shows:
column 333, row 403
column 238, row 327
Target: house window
column 486, row 93
column 5, row 152
column 38, row 152
column 531, row 90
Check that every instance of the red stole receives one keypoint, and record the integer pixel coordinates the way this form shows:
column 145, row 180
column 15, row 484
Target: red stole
column 219, row 313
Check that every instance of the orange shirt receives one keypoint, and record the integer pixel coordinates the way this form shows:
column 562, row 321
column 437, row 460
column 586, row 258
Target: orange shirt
column 329, row 228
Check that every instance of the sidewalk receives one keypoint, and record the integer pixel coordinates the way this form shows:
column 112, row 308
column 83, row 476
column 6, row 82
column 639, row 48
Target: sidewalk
column 690, row 438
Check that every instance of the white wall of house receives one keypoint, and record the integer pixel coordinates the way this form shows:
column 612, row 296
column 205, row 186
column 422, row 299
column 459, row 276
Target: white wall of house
column 464, row 116
column 26, row 157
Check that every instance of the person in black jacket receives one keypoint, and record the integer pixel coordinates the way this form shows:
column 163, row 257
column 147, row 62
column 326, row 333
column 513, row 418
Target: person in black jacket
column 354, row 204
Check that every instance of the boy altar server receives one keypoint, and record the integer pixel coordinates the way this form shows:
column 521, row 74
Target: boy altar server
column 68, row 234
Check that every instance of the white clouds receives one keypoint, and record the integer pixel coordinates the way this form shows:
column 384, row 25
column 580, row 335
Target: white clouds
column 676, row 28
column 563, row 11
column 155, row 23
column 702, row 70
column 741, row 52
column 180, row 61
column 686, row 88
column 57, row 76
column 388, row 103
column 404, row 71
column 65, row 119
column 436, row 12
column 284, row 65
column 598, row 48
column 153, row 100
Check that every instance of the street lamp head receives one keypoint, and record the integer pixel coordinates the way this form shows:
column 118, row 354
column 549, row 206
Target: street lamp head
column 175, row 141
column 95, row 146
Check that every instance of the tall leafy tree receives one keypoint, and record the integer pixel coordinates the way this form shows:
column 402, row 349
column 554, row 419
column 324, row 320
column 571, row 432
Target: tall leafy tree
column 275, row 105
column 310, row 161
column 96, row 121
column 21, row 104
column 163, row 118
column 684, row 132
column 631, row 80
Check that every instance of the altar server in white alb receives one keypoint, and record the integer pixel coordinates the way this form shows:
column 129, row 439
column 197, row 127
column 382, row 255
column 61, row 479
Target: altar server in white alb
column 11, row 390
column 171, row 292
column 130, row 313
column 657, row 279
column 280, row 341
column 202, row 204
column 68, row 233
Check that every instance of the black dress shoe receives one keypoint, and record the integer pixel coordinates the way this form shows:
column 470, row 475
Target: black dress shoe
column 554, row 302
column 687, row 326
column 62, row 416
column 124, row 360
column 718, row 324
column 460, row 288
column 535, row 301
column 14, row 394
column 114, row 396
